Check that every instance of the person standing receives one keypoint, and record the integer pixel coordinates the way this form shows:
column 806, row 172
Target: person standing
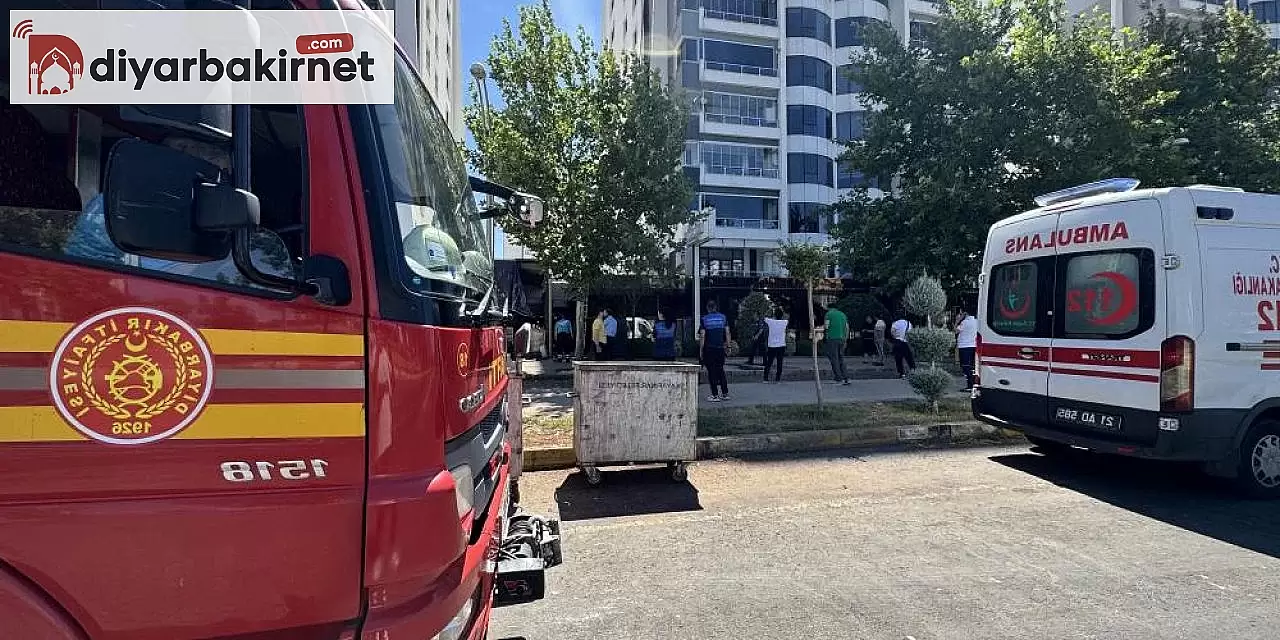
column 563, row 338
column 713, row 338
column 664, row 339
column 880, row 339
column 598, row 338
column 776, row 345
column 967, row 344
column 612, row 343
column 901, row 349
column 868, row 335
column 834, row 340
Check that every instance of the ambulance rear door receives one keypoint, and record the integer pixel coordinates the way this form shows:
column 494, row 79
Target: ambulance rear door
column 1104, row 374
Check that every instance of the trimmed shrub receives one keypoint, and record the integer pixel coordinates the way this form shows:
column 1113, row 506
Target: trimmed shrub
column 931, row 384
column 753, row 308
column 925, row 298
column 931, row 344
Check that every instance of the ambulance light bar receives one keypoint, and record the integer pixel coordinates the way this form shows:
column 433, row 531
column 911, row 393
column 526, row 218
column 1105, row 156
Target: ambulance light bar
column 1110, row 185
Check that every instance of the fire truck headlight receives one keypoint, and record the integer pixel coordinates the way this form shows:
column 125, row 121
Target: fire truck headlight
column 464, row 488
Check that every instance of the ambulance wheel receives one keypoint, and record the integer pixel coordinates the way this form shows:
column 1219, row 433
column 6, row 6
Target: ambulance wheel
column 1048, row 447
column 1259, row 474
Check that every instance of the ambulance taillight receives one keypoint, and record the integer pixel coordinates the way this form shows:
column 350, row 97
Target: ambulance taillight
column 977, row 360
column 1177, row 374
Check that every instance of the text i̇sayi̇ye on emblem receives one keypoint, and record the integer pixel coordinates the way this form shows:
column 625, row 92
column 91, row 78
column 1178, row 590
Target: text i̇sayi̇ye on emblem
column 131, row 376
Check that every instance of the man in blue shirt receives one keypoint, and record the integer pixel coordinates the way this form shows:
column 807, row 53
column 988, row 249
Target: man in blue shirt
column 714, row 336
column 611, row 345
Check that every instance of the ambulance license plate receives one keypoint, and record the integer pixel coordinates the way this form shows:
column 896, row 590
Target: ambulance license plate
column 1091, row 419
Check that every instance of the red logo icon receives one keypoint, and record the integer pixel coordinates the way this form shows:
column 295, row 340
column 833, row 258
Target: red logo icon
column 56, row 63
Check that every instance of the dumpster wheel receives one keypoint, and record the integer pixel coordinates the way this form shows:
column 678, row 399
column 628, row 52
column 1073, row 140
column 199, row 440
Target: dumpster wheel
column 593, row 475
column 679, row 471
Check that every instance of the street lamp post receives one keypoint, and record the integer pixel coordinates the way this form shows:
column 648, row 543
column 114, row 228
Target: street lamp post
column 478, row 72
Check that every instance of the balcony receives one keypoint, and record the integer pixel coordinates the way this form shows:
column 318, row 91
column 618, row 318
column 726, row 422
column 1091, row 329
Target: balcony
column 740, row 74
column 739, row 176
column 746, row 223
column 740, row 126
column 740, row 18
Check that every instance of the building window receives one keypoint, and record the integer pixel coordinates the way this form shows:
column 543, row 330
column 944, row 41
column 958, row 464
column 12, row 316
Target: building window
column 850, row 125
column 844, row 83
column 722, row 262
column 848, row 178
column 691, row 154
column 742, row 212
column 803, row 22
column 809, row 168
column 921, row 33
column 807, row 71
column 807, row 217
column 1275, row 43
column 730, row 108
column 1267, row 12
column 808, row 120
column 739, row 160
column 749, row 11
column 689, row 49
column 849, row 31
column 740, row 58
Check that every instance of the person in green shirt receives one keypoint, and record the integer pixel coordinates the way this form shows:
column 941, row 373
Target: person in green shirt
column 835, row 339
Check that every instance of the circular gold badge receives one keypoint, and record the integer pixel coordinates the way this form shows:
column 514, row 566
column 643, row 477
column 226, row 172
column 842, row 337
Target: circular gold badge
column 131, row 376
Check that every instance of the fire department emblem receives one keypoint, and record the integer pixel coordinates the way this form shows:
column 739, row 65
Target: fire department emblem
column 131, row 376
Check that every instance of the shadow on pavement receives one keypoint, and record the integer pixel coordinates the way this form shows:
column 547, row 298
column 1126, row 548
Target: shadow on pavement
column 1178, row 494
column 625, row 492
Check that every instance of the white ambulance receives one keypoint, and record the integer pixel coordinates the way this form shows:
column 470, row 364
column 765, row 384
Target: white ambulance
column 1138, row 322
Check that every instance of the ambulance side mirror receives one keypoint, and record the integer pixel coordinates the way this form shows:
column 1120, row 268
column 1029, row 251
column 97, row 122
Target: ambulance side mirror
column 162, row 203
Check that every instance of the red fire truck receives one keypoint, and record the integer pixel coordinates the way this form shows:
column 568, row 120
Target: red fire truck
column 252, row 383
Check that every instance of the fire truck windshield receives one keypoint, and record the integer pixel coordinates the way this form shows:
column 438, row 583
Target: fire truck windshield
column 442, row 240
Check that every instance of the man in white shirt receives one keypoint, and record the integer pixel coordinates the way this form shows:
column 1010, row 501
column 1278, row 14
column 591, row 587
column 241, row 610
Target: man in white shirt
column 902, row 354
column 967, row 344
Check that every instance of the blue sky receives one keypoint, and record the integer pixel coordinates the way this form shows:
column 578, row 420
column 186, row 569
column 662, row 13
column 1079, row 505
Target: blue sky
column 480, row 20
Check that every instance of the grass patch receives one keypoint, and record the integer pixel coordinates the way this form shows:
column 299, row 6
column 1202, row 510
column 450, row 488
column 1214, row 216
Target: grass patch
column 778, row 418
column 542, row 430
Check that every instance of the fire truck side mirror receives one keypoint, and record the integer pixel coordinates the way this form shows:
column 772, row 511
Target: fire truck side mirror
column 156, row 200
column 529, row 207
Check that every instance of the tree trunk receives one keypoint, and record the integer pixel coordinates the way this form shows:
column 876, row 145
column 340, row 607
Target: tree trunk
column 813, row 342
column 580, row 315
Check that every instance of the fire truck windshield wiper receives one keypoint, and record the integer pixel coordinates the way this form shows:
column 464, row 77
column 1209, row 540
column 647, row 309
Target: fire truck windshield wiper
column 482, row 311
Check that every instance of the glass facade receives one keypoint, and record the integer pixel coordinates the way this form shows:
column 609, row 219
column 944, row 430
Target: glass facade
column 729, row 108
column 850, row 125
column 740, row 58
column 808, row 120
column 810, row 168
column 739, row 160
column 743, row 212
column 808, row 71
column 715, row 261
column 749, row 11
column 807, row 217
column 920, row 33
column 803, row 22
column 849, row 31
column 844, row 84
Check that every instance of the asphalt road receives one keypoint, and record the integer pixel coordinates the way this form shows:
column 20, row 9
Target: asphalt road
column 972, row 543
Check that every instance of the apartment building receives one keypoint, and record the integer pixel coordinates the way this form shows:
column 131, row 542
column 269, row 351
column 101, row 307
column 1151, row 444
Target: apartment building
column 428, row 32
column 769, row 104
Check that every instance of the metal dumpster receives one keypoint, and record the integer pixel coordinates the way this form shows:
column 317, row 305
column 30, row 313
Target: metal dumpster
column 635, row 413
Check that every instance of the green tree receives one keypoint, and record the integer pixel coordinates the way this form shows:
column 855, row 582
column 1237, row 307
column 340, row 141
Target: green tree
column 751, row 310
column 925, row 298
column 808, row 263
column 598, row 137
column 1008, row 101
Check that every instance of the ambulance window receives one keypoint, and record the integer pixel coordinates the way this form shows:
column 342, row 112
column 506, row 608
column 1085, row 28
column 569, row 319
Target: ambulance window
column 1106, row 295
column 52, row 167
column 1015, row 297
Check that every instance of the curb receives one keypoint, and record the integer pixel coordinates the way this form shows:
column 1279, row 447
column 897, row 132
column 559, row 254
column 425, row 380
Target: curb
column 801, row 441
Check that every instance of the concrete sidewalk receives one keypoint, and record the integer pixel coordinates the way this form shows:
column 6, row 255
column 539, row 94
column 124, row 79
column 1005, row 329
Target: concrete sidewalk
column 750, row 394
